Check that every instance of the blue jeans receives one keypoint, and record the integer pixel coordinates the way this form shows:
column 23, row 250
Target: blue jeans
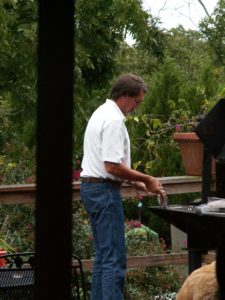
column 103, row 203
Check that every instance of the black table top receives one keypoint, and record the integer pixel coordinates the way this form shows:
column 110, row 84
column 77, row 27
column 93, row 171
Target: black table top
column 204, row 230
column 187, row 209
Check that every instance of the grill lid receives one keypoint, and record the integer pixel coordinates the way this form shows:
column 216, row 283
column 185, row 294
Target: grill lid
column 211, row 130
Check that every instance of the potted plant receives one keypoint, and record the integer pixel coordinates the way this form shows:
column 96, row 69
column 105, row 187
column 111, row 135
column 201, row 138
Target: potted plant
column 192, row 150
column 191, row 147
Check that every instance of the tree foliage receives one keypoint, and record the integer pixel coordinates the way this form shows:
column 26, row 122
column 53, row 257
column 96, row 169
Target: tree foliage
column 101, row 29
column 212, row 29
column 18, row 40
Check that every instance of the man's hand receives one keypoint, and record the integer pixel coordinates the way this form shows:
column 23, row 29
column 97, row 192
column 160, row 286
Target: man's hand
column 140, row 186
column 153, row 185
column 156, row 188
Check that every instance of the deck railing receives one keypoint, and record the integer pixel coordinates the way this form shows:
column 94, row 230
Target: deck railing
column 26, row 194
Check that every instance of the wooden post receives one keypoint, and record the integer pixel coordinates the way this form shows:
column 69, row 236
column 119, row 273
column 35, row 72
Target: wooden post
column 54, row 149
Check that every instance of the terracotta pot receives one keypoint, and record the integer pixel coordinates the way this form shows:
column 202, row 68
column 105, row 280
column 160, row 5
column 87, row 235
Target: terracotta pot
column 191, row 149
column 2, row 260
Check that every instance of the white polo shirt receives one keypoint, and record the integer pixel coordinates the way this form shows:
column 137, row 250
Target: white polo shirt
column 106, row 139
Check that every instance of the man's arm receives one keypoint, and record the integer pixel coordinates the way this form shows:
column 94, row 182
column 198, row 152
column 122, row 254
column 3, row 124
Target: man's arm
column 121, row 171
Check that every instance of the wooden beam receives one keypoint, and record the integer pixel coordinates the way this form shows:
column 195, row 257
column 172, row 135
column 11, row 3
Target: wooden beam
column 53, row 195
column 157, row 260
column 172, row 185
column 209, row 257
column 154, row 260
column 146, row 261
column 26, row 193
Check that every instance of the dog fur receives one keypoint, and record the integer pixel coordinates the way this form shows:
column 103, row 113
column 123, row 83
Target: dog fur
column 207, row 282
column 201, row 284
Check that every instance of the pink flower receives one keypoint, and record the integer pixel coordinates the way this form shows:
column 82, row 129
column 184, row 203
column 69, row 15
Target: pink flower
column 76, row 174
column 178, row 127
column 134, row 224
column 29, row 179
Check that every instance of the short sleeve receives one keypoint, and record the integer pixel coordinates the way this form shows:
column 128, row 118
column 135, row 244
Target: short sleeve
column 113, row 142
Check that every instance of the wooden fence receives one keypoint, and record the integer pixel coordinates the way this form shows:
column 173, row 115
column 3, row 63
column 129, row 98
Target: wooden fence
column 155, row 260
column 26, row 193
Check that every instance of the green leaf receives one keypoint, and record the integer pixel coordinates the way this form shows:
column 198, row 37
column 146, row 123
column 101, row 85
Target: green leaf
column 148, row 165
column 171, row 104
column 156, row 123
column 137, row 164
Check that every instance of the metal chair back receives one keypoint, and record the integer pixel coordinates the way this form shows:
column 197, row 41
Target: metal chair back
column 17, row 276
column 78, row 289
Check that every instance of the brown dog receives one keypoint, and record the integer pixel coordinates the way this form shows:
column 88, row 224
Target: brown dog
column 207, row 282
column 201, row 284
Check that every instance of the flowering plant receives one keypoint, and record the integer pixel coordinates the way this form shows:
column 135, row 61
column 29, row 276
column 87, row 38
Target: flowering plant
column 152, row 137
column 76, row 170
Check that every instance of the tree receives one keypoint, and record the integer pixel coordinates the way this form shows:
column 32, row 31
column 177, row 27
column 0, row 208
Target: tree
column 200, row 79
column 101, row 29
column 212, row 28
column 18, row 40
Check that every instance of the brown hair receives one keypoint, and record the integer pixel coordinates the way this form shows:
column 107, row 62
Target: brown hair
column 127, row 85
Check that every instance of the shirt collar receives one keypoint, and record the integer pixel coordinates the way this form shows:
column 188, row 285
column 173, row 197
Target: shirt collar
column 116, row 107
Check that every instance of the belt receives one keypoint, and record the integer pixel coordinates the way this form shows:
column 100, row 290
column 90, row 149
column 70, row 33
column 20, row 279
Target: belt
column 100, row 180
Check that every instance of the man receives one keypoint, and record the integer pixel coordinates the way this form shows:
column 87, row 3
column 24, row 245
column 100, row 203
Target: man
column 105, row 165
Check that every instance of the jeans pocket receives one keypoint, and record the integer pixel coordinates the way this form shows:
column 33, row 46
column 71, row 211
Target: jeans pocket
column 94, row 197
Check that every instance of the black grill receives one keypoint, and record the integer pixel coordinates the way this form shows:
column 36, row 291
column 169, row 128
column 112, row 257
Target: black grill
column 204, row 230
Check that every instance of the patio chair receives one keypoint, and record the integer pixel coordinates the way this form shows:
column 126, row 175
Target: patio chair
column 78, row 289
column 17, row 276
